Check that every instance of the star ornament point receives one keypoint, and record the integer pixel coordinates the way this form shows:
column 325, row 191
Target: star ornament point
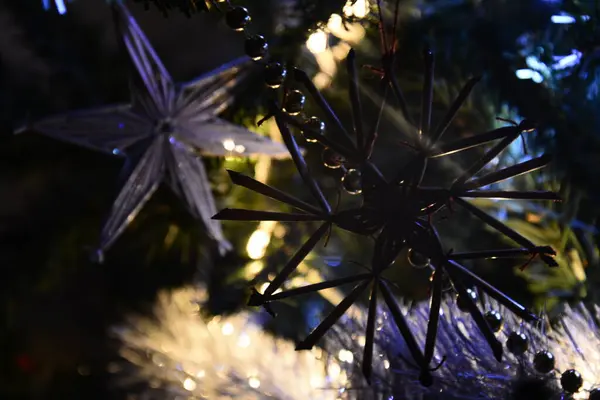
column 163, row 133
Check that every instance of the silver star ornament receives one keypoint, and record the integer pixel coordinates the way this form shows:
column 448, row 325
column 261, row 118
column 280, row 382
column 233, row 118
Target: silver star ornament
column 163, row 133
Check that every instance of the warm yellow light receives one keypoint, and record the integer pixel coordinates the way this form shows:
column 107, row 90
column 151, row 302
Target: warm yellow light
column 264, row 287
column 260, row 239
column 359, row 9
column 253, row 268
column 346, row 356
column 335, row 22
column 334, row 370
column 322, row 80
column 386, row 364
column 243, row 341
column 189, row 384
column 227, row 329
column 316, row 381
column 317, row 42
column 228, row 144
column 257, row 244
column 254, row 383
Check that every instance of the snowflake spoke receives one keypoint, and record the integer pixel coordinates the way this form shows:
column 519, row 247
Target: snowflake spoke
column 502, row 253
column 355, row 100
column 399, row 96
column 406, row 333
column 373, row 133
column 301, row 165
column 324, row 140
column 268, row 191
column 300, row 255
column 367, row 361
column 503, row 299
column 508, row 172
column 427, row 96
column 236, row 214
column 315, row 287
column 339, row 310
column 342, row 134
column 473, row 141
column 486, row 158
column 507, row 194
column 494, row 223
column 480, row 321
column 449, row 117
column 434, row 315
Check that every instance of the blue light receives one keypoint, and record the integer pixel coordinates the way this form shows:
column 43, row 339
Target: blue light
column 121, row 125
column 567, row 61
column 529, row 74
column 116, row 152
column 333, row 261
column 524, row 73
column 533, row 63
column 60, row 6
column 537, row 77
column 562, row 19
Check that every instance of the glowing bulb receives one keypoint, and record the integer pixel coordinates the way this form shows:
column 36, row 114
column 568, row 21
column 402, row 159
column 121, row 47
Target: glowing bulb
column 189, row 384
column 335, row 22
column 348, row 11
column 254, row 268
column 524, row 73
column 317, row 42
column 257, row 244
column 334, row 371
column 533, row 63
column 227, row 329
column 537, row 77
column 346, row 356
column 315, row 381
column 201, row 374
column 243, row 341
column 386, row 364
column 360, row 9
column 239, row 148
column 529, row 74
column 264, row 287
column 562, row 19
column 254, row 383
column 321, row 80
column 229, row 144
column 60, row 6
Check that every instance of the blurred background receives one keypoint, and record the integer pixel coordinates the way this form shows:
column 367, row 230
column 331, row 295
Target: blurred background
column 539, row 60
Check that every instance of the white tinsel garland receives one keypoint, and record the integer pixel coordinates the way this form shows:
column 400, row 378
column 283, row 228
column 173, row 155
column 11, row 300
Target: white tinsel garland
column 469, row 370
column 177, row 353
